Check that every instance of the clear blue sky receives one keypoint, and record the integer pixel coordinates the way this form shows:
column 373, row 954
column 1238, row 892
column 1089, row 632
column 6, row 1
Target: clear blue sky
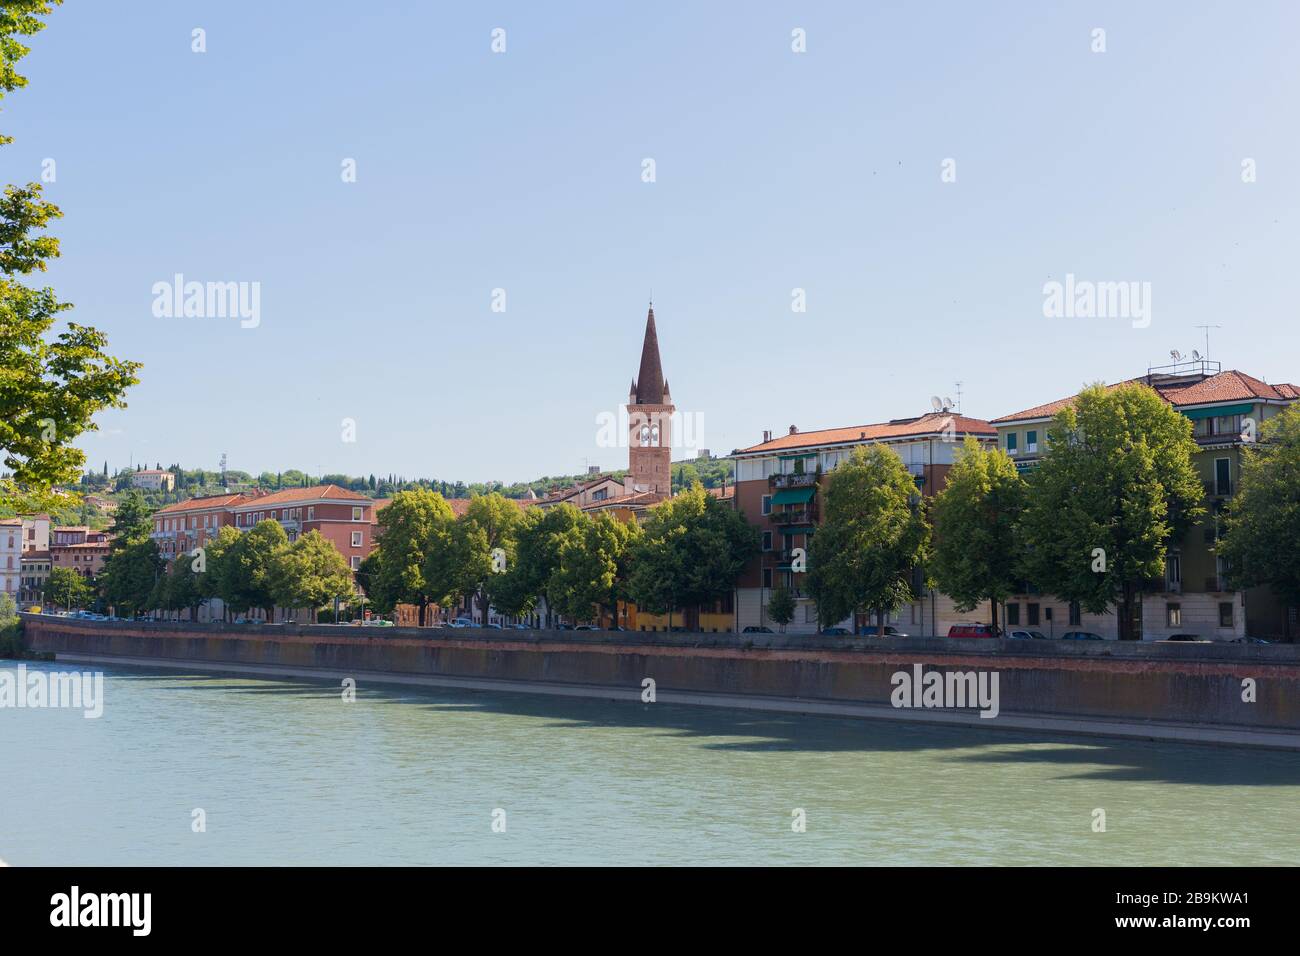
column 774, row 170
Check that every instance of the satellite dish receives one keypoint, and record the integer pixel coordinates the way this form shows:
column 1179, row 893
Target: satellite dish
column 947, row 404
column 936, row 403
column 1196, row 356
column 1176, row 355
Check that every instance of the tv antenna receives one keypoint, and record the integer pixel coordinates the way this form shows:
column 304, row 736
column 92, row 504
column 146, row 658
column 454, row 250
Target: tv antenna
column 1207, row 337
column 958, row 397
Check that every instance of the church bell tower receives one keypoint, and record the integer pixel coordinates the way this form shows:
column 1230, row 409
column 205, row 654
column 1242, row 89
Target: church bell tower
column 649, row 410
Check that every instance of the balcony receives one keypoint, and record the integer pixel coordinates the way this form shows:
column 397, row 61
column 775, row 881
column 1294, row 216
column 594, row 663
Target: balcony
column 1218, row 489
column 1215, row 583
column 807, row 480
column 794, row 516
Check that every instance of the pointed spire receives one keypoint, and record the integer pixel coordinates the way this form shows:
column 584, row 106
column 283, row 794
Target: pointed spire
column 650, row 380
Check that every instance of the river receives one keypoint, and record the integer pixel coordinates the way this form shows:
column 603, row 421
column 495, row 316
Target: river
column 289, row 773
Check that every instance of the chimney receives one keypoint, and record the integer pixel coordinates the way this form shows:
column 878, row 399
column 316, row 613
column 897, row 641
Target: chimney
column 767, row 436
column 794, row 430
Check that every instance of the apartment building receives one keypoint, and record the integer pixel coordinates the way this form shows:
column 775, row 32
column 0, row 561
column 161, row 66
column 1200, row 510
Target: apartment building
column 35, row 572
column 1226, row 410
column 781, row 481
column 11, row 556
column 80, row 549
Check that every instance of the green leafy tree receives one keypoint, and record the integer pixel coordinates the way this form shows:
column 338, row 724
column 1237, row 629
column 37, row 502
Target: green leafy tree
column 414, row 539
column 540, row 536
column 182, row 590
column 220, row 575
column 1116, row 486
column 781, row 607
column 484, row 547
column 693, row 548
column 51, row 384
column 67, row 589
column 311, row 573
column 872, row 537
column 253, row 561
column 131, row 571
column 1261, row 541
column 976, row 548
column 594, row 563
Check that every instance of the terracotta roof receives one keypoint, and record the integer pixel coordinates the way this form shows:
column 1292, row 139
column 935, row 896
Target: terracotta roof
column 290, row 495
column 635, row 499
column 728, row 492
column 458, row 505
column 933, row 423
column 650, row 385
column 200, row 504
column 1229, row 386
column 13, row 521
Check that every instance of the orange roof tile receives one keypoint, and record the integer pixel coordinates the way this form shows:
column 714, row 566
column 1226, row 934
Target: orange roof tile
column 930, row 424
column 1229, row 386
column 290, row 495
column 200, row 504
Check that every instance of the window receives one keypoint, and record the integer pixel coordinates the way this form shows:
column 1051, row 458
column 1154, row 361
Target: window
column 917, row 611
column 1013, row 614
column 767, row 540
column 767, row 577
column 356, row 539
column 1031, row 441
column 1031, row 611
column 311, row 514
column 1225, row 614
column 356, row 562
column 1011, row 443
column 1173, row 615
column 767, row 504
column 1223, row 476
column 356, row 513
column 1174, row 570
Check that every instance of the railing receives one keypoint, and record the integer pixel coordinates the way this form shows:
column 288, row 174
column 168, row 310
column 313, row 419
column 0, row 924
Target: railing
column 807, row 480
column 801, row 516
column 1215, row 489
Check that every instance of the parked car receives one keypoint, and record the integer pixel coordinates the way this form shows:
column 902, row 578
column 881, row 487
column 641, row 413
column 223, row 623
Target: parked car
column 518, row 627
column 493, row 626
column 460, row 622
column 1081, row 636
column 378, row 622
column 1187, row 638
column 974, row 630
column 754, row 629
column 836, row 631
column 1249, row 640
column 890, row 631
column 1023, row 635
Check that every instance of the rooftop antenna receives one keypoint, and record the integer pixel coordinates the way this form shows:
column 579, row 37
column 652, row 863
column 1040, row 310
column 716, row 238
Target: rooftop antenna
column 936, row 403
column 947, row 404
column 959, row 398
column 1176, row 355
column 1196, row 356
column 1207, row 337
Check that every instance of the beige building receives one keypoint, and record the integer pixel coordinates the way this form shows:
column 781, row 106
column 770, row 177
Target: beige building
column 154, row 479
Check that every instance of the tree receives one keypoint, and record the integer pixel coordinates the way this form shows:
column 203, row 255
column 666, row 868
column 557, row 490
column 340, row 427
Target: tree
column 693, row 548
column 131, row 571
column 220, row 575
column 976, row 548
column 872, row 537
column 1116, row 486
column 52, row 385
column 780, row 607
column 311, row 573
column 67, row 589
column 1261, row 540
column 252, row 563
column 484, row 544
column 181, row 588
column 591, row 577
column 540, row 536
column 414, row 540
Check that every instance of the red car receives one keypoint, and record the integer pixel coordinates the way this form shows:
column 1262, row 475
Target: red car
column 974, row 630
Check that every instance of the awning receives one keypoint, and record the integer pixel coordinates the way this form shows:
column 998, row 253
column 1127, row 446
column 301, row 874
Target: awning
column 797, row 529
column 1197, row 413
column 793, row 496
column 804, row 457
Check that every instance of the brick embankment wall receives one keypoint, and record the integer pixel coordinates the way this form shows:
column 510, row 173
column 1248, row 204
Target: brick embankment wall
column 1194, row 684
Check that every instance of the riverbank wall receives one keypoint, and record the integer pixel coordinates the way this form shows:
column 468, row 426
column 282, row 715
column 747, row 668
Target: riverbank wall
column 1247, row 694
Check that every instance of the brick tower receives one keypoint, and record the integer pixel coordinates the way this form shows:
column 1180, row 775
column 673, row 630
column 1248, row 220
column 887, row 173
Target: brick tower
column 649, row 412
